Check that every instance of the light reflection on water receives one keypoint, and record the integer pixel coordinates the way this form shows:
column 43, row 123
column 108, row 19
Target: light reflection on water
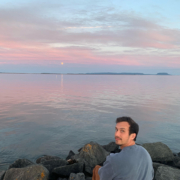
column 52, row 114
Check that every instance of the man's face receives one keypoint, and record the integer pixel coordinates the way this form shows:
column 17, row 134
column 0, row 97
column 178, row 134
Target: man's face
column 122, row 137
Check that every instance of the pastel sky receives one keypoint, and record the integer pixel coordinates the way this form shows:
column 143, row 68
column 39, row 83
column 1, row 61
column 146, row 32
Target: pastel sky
column 82, row 36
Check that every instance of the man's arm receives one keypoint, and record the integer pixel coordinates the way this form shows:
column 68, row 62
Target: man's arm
column 106, row 171
column 95, row 173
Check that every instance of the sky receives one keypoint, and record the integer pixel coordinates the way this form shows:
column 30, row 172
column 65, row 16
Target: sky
column 83, row 36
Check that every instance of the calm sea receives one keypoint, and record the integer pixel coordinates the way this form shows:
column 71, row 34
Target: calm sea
column 53, row 114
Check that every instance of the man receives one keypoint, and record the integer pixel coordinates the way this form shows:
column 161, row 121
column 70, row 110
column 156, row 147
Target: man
column 133, row 162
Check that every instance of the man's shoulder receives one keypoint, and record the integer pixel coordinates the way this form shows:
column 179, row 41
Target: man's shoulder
column 113, row 156
column 135, row 150
column 142, row 149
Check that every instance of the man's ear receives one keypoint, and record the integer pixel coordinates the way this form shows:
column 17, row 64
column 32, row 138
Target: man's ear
column 133, row 135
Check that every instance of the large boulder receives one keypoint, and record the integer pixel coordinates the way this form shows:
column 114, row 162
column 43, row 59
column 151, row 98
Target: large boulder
column 32, row 172
column 78, row 176
column 159, row 152
column 20, row 163
column 93, row 154
column 46, row 158
column 112, row 147
column 68, row 169
column 167, row 173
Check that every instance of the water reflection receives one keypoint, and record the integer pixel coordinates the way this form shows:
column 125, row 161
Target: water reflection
column 62, row 82
column 52, row 114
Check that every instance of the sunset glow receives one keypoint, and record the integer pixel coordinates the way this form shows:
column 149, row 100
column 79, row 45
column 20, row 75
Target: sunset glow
column 90, row 36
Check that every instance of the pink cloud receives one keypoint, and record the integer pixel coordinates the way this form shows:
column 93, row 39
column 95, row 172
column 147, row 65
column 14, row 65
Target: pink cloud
column 44, row 54
column 26, row 38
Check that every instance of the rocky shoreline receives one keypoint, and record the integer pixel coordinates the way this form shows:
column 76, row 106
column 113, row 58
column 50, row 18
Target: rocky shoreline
column 80, row 166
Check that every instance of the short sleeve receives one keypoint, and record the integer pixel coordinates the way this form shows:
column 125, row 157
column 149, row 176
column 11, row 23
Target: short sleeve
column 106, row 171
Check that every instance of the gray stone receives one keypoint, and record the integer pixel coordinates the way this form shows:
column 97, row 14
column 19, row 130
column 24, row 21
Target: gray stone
column 156, row 165
column 93, row 154
column 20, row 163
column 75, row 157
column 46, row 158
column 32, row 172
column 71, row 153
column 167, row 173
column 68, row 169
column 72, row 161
column 2, row 173
column 78, row 176
column 176, row 161
column 111, row 147
column 89, row 178
column 178, row 154
column 53, row 163
column 159, row 152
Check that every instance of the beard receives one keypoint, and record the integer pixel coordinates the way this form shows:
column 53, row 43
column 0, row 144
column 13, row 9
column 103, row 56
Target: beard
column 121, row 142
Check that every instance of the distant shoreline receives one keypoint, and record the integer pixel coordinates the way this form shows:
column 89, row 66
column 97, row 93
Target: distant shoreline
column 101, row 73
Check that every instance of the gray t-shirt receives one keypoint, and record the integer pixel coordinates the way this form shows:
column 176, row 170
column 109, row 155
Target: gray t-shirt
column 132, row 163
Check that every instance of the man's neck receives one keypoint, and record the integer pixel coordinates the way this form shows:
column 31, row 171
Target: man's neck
column 126, row 145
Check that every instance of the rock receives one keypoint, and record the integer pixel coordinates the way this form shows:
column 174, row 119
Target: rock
column 62, row 179
column 176, row 161
column 159, row 152
column 71, row 153
column 178, row 154
column 167, row 173
column 79, row 149
column 156, row 165
column 68, row 169
column 93, row 154
column 76, row 157
column 71, row 161
column 46, row 158
column 20, row 163
column 89, row 178
column 2, row 173
column 111, row 147
column 53, row 163
column 78, row 176
column 32, row 172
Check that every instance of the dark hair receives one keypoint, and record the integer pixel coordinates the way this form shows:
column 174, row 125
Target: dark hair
column 134, row 127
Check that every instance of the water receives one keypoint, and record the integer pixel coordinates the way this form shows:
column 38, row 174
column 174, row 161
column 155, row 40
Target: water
column 53, row 114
